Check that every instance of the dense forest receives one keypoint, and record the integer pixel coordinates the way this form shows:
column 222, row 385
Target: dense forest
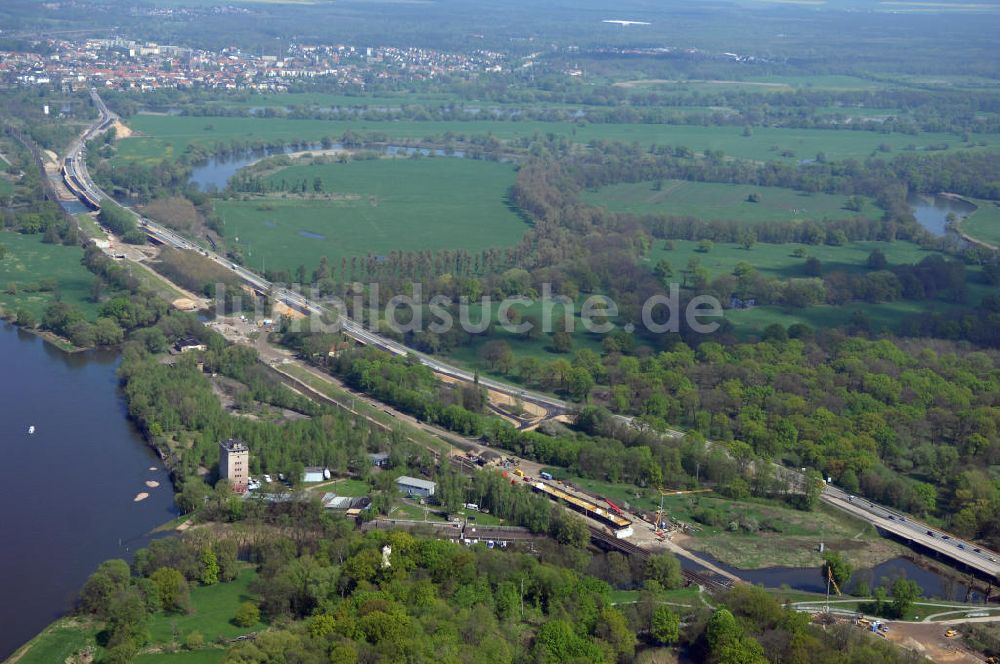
column 910, row 423
column 328, row 594
column 175, row 406
column 963, row 114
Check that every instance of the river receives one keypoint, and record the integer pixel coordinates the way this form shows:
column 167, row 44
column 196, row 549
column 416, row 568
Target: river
column 809, row 579
column 214, row 173
column 67, row 490
column 932, row 211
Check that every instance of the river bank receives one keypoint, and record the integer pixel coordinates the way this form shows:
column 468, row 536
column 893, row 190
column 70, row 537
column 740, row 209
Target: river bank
column 63, row 344
column 70, row 498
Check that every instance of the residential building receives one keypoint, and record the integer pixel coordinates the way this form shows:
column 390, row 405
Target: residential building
column 234, row 464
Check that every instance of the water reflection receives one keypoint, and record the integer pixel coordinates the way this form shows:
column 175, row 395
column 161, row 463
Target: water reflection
column 810, row 579
column 68, row 493
column 932, row 211
column 214, row 174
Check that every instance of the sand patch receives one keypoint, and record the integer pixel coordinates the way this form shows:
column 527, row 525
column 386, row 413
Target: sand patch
column 184, row 304
column 121, row 131
column 281, row 309
column 531, row 410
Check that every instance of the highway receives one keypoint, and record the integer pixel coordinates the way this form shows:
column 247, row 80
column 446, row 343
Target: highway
column 959, row 550
column 75, row 167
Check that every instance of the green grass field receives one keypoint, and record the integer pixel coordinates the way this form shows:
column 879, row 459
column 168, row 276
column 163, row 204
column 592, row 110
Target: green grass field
column 415, row 513
column 212, row 612
column 385, row 205
column 29, row 261
column 539, row 346
column 883, row 316
column 89, row 226
column 478, row 518
column 984, row 223
column 349, row 488
column 785, row 536
column 213, row 608
column 774, row 261
column 754, row 84
column 713, row 201
column 166, row 136
column 328, row 100
column 680, row 597
column 206, row 656
column 777, row 261
column 59, row 641
column 382, row 102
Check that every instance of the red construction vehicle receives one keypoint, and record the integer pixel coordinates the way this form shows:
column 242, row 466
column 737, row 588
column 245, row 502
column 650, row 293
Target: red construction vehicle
column 614, row 508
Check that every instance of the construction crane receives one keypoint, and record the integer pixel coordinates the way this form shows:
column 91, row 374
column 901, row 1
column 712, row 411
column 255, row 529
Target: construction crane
column 673, row 492
column 681, row 492
column 830, row 581
column 614, row 508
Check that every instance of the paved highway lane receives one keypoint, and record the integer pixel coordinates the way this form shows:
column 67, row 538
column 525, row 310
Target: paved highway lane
column 77, row 166
column 986, row 561
column 959, row 550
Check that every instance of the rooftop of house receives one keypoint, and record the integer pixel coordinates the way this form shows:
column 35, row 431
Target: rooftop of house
column 234, row 445
column 415, row 481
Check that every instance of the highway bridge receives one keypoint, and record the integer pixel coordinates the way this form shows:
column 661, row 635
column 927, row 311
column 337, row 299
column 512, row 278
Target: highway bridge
column 75, row 170
column 79, row 182
column 962, row 552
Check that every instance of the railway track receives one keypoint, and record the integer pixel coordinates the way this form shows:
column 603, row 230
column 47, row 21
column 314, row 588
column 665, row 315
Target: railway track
column 606, row 541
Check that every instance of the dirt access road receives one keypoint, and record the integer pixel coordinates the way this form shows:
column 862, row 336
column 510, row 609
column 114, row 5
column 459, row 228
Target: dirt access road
column 929, row 640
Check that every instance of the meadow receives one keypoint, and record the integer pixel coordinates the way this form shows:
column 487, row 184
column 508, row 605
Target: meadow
column 388, row 101
column 378, row 206
column 753, row 84
column 713, row 201
column 984, row 223
column 206, row 656
column 212, row 610
column 166, row 136
column 777, row 261
column 538, row 346
column 771, row 260
column 58, row 642
column 29, row 262
column 330, row 100
column 6, row 187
